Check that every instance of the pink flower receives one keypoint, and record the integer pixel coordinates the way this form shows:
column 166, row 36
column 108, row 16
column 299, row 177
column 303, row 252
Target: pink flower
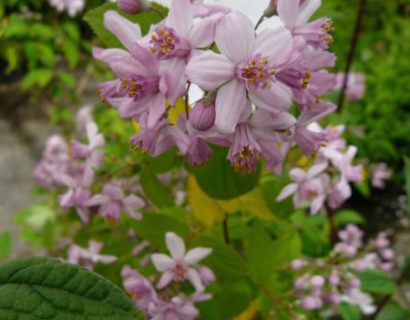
column 355, row 85
column 112, row 201
column 90, row 256
column 95, row 157
column 178, row 308
column 307, row 187
column 247, row 63
column 343, row 163
column 82, row 117
column 296, row 14
column 139, row 288
column 71, row 6
column 180, row 266
column 379, row 174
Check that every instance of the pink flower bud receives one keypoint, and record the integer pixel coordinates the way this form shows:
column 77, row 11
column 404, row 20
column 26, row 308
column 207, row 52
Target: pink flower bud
column 317, row 281
column 334, row 279
column 206, row 274
column 133, row 6
column 381, row 243
column 298, row 264
column 300, row 283
column 388, row 254
column 311, row 303
column 355, row 283
column 202, row 116
column 386, row 267
column 335, row 298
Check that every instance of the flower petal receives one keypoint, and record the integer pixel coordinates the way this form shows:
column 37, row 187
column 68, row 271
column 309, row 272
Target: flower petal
column 287, row 191
column 175, row 80
column 229, row 105
column 203, row 32
column 126, row 31
column 157, row 109
column 275, row 43
column 209, row 70
column 107, row 55
column 175, row 245
column 161, row 261
column 235, row 36
column 195, row 279
column 165, row 279
column 317, row 204
column 180, row 17
column 306, row 10
column 197, row 254
column 277, row 98
column 288, row 11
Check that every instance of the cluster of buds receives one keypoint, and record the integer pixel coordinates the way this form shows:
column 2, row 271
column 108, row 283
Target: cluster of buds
column 165, row 300
column 248, row 87
column 327, row 181
column 322, row 285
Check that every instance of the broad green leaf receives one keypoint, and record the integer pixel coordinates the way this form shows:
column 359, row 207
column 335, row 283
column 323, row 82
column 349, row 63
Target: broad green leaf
column 349, row 312
column 95, row 18
column 153, row 227
column 249, row 313
column 219, row 180
column 234, row 299
column 71, row 52
column 347, row 216
column 286, row 248
column 5, row 244
column 224, row 261
column 45, row 288
column 377, row 282
column 156, row 192
column 363, row 188
column 393, row 311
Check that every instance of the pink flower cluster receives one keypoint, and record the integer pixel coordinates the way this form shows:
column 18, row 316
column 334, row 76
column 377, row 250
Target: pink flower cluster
column 328, row 178
column 166, row 301
column 249, row 86
column 355, row 85
column 325, row 284
column 72, row 167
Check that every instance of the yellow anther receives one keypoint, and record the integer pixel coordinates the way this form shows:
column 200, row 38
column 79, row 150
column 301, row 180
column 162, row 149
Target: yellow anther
column 272, row 71
column 162, row 32
column 308, row 75
column 153, row 50
column 265, row 61
column 154, row 37
column 317, row 99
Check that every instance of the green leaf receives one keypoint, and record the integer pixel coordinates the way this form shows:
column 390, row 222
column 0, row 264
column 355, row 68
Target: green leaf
column 349, row 312
column 347, row 216
column 219, row 180
column 377, row 282
column 153, row 227
column 234, row 299
column 71, row 52
column 95, row 18
column 393, row 311
column 156, row 192
column 40, row 77
column 5, row 244
column 407, row 176
column 224, row 261
column 363, row 188
column 45, row 288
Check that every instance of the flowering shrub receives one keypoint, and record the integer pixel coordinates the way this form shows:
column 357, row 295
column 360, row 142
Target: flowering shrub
column 184, row 201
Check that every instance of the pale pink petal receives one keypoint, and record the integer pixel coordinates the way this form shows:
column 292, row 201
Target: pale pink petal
column 209, row 70
column 316, row 169
column 235, row 36
column 66, row 199
column 287, row 191
column 98, row 199
column 280, row 121
column 229, row 105
column 144, row 56
column 175, row 80
column 197, row 254
column 165, row 279
column 276, row 44
column 107, row 55
column 175, row 245
column 297, row 174
column 157, row 109
column 180, row 17
column 317, row 204
column 288, row 11
column 277, row 98
column 306, row 10
column 195, row 279
column 126, row 31
column 203, row 32
column 161, row 261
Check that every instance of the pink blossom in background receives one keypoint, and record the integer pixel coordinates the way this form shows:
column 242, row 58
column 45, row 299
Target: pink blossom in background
column 90, row 256
column 355, row 85
column 71, row 6
column 380, row 173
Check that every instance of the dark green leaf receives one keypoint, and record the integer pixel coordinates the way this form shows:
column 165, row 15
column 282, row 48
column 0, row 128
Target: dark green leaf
column 39, row 77
column 393, row 311
column 45, row 288
column 5, row 244
column 349, row 312
column 156, row 192
column 219, row 180
column 347, row 216
column 377, row 282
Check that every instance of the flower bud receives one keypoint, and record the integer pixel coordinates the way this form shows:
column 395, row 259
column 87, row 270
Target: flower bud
column 133, row 6
column 388, row 254
column 300, row 283
column 297, row 264
column 206, row 274
column 311, row 303
column 317, row 281
column 334, row 279
column 355, row 283
column 202, row 116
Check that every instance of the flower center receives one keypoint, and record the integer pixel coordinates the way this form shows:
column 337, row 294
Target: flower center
column 138, row 87
column 255, row 72
column 179, row 271
column 245, row 160
column 166, row 44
